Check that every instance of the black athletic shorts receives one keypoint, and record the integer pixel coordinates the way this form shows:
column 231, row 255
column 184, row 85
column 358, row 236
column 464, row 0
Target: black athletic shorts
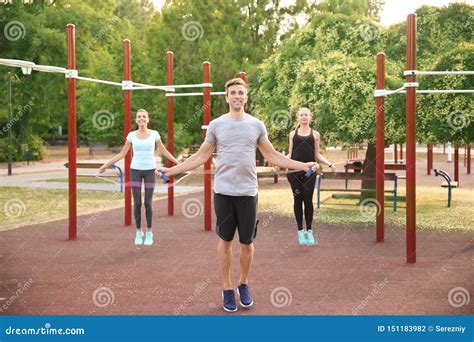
column 236, row 212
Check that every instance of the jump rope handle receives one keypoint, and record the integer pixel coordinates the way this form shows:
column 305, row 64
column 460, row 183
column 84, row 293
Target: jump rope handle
column 165, row 178
column 309, row 172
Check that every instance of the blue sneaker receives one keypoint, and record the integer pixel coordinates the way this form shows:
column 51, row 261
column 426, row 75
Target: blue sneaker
column 228, row 296
column 302, row 237
column 245, row 297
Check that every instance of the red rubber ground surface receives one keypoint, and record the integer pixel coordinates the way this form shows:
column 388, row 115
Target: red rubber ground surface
column 103, row 273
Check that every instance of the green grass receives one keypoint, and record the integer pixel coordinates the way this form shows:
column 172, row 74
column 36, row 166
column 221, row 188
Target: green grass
column 432, row 211
column 26, row 206
column 82, row 179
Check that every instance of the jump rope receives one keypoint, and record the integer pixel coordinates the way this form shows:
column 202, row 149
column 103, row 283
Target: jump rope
column 166, row 178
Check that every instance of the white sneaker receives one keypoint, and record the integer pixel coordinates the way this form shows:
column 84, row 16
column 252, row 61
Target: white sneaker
column 139, row 238
column 310, row 238
column 148, row 239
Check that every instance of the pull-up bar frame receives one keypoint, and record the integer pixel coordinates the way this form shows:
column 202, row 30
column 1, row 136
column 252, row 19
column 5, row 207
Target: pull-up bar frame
column 410, row 89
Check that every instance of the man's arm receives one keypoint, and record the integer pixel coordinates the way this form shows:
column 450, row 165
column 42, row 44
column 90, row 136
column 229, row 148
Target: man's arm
column 276, row 158
column 196, row 160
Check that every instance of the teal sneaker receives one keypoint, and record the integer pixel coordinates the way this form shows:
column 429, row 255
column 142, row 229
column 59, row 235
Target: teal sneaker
column 148, row 239
column 139, row 238
column 302, row 237
column 311, row 240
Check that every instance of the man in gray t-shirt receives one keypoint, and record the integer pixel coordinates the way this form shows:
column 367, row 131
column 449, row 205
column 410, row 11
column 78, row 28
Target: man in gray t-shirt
column 236, row 141
column 236, row 136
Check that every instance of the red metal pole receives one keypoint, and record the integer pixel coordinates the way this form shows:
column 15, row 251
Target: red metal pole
column 127, row 127
column 465, row 155
column 428, row 159
column 431, row 157
column 411, row 142
column 469, row 159
column 243, row 75
column 206, row 76
column 170, row 111
column 380, row 148
column 456, row 163
column 71, row 124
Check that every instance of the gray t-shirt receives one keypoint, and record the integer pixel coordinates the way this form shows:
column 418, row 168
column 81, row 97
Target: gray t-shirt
column 236, row 143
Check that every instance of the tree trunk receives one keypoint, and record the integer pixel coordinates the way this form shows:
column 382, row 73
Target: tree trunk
column 369, row 169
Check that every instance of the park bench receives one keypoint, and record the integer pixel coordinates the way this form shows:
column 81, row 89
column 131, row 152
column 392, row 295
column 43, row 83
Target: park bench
column 92, row 165
column 28, row 154
column 388, row 166
column 356, row 176
column 448, row 183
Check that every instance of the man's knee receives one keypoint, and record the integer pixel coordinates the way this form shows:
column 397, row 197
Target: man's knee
column 247, row 247
column 224, row 244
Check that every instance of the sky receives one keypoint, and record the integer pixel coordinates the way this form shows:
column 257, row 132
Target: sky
column 394, row 11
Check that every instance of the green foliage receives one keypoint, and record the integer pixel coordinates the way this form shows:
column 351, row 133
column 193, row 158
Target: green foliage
column 196, row 31
column 448, row 117
column 32, row 149
column 329, row 66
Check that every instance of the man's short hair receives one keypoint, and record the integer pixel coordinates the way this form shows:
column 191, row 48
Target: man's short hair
column 235, row 81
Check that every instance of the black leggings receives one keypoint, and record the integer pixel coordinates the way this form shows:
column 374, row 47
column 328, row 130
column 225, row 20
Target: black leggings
column 303, row 189
column 137, row 177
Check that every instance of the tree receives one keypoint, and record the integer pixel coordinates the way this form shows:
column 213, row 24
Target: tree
column 446, row 118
